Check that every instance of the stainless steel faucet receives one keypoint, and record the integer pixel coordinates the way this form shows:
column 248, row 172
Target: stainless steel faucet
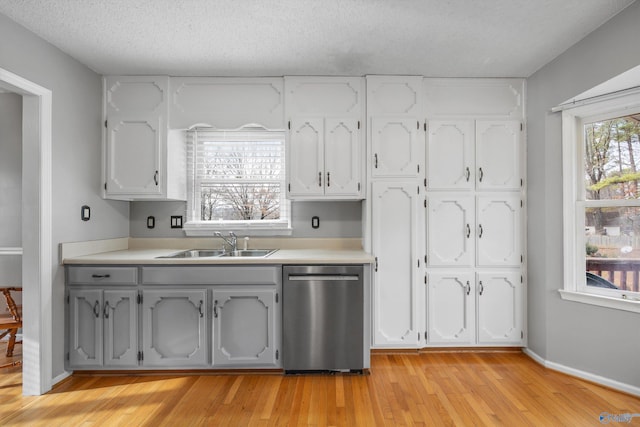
column 232, row 240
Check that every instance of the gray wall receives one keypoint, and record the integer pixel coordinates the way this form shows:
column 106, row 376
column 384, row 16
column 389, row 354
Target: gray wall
column 76, row 139
column 337, row 219
column 10, row 185
column 596, row 340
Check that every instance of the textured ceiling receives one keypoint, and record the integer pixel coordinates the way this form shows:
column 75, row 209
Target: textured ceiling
column 448, row 38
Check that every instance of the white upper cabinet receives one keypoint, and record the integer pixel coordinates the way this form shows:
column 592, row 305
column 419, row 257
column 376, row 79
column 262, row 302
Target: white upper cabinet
column 325, row 145
column 450, row 154
column 498, row 155
column 226, row 102
column 141, row 159
column 396, row 134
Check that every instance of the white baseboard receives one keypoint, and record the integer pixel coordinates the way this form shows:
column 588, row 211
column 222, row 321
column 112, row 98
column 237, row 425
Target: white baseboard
column 60, row 377
column 607, row 382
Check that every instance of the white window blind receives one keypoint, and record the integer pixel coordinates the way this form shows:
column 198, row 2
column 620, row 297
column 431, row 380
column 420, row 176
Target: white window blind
column 237, row 176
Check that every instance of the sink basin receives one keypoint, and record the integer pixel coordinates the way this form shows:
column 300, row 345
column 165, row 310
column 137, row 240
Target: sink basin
column 195, row 253
column 210, row 253
column 249, row 253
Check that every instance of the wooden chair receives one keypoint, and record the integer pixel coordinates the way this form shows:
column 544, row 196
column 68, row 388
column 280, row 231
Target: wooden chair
column 10, row 322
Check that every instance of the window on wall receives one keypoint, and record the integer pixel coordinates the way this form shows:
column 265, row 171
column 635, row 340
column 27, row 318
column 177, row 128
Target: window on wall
column 236, row 181
column 601, row 149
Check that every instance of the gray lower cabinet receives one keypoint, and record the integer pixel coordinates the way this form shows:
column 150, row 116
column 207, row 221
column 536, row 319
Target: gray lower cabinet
column 103, row 328
column 174, row 327
column 244, row 327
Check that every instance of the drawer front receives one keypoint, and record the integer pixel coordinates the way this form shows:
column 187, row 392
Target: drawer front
column 201, row 275
column 102, row 275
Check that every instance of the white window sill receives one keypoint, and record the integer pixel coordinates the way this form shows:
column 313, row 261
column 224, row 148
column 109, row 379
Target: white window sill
column 196, row 229
column 632, row 305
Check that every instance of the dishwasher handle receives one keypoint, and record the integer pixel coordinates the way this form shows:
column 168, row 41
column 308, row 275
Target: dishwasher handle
column 312, row 277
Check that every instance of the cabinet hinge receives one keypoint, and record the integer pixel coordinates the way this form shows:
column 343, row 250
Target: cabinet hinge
column 289, row 125
column 521, row 334
column 425, row 335
column 68, row 357
column 289, row 187
column 521, row 203
column 139, row 299
column 521, row 259
column 105, row 185
column 105, row 123
column 68, row 299
column 425, row 182
column 425, row 203
column 358, row 124
column 358, row 186
column 418, row 168
column 425, row 279
column 425, row 126
column 418, row 336
column 521, row 127
column 140, row 356
column 418, row 187
column 277, row 354
column 418, row 124
column 521, row 182
column 425, row 260
column 418, row 262
column 276, row 297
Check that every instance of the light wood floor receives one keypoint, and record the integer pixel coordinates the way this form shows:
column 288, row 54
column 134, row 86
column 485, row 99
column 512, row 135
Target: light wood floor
column 429, row 388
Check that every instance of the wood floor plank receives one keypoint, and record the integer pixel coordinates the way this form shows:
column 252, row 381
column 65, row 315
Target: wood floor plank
column 403, row 388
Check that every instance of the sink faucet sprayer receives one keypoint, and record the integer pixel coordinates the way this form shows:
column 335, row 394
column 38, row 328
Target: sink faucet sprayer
column 232, row 240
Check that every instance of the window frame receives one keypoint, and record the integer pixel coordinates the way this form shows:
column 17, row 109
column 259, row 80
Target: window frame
column 575, row 203
column 198, row 227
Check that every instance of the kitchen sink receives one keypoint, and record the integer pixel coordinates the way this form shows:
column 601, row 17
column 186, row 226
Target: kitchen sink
column 210, row 253
column 195, row 253
column 249, row 253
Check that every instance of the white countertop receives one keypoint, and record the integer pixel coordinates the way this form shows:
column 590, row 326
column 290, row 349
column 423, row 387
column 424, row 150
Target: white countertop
column 281, row 256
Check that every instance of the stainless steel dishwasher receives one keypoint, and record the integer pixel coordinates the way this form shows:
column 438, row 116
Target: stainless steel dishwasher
column 323, row 323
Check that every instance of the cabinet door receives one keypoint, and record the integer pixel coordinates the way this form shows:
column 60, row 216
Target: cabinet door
column 85, row 327
column 498, row 155
column 342, row 157
column 450, row 230
column 173, row 327
column 243, row 327
column 133, row 156
column 395, row 229
column 451, row 308
column 499, row 308
column 450, row 157
column 396, row 147
column 499, row 230
column 120, row 315
column 306, row 157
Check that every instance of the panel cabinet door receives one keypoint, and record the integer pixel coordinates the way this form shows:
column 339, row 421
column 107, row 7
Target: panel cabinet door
column 450, row 230
column 498, row 155
column 306, row 157
column 120, row 313
column 244, row 328
column 342, row 157
column 396, row 147
column 133, row 156
column 499, row 307
column 450, row 155
column 173, row 327
column 499, row 230
column 451, row 308
column 395, row 225
column 85, row 327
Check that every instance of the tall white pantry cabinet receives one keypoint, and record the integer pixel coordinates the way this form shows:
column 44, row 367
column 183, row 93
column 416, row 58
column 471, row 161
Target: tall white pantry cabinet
column 446, row 205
